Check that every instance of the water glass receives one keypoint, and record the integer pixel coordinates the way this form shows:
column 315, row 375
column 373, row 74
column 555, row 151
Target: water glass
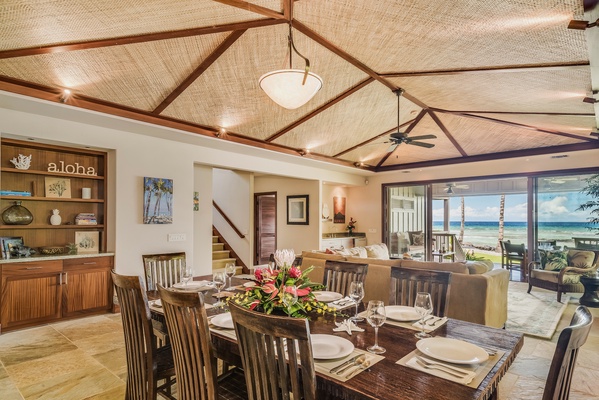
column 187, row 275
column 375, row 315
column 289, row 297
column 219, row 279
column 230, row 270
column 356, row 293
column 423, row 306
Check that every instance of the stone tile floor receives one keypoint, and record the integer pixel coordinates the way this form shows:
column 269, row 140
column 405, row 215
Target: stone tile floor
column 85, row 359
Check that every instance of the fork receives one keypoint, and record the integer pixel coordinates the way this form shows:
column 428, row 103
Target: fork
column 448, row 370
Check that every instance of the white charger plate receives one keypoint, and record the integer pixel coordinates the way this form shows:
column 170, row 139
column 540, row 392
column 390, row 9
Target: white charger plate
column 223, row 321
column 194, row 285
column 328, row 347
column 452, row 350
column 327, row 297
column 402, row 313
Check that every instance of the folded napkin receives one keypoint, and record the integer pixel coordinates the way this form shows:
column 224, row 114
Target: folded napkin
column 431, row 324
column 343, row 303
column 467, row 373
column 347, row 326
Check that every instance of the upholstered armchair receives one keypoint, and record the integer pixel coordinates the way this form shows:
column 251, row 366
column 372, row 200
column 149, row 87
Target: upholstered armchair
column 560, row 271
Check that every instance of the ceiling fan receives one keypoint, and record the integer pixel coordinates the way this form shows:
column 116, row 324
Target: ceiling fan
column 397, row 138
column 451, row 186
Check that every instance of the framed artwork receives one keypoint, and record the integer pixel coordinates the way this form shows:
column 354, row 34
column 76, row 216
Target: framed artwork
column 7, row 242
column 196, row 201
column 58, row 187
column 158, row 201
column 339, row 210
column 298, row 210
column 87, row 242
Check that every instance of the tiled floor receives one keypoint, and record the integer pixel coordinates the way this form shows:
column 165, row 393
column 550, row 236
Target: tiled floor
column 85, row 359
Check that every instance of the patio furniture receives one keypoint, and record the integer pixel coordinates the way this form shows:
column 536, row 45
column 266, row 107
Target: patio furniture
column 571, row 339
column 338, row 275
column 146, row 363
column 586, row 243
column 406, row 282
column 591, row 286
column 163, row 269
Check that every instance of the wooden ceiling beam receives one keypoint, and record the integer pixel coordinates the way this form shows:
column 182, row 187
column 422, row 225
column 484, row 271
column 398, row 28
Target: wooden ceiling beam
column 447, row 133
column 414, row 122
column 319, row 110
column 150, row 37
column 244, row 5
column 204, row 65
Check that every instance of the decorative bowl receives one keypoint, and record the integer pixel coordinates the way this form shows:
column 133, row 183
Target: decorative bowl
column 52, row 250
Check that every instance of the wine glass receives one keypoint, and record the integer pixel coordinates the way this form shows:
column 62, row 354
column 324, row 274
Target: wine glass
column 289, row 297
column 356, row 293
column 375, row 315
column 219, row 279
column 230, row 270
column 423, row 306
column 187, row 275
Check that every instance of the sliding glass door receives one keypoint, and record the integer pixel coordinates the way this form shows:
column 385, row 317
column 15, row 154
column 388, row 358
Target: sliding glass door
column 405, row 221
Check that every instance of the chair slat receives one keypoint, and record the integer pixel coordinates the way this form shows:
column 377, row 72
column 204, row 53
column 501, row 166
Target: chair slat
column 407, row 282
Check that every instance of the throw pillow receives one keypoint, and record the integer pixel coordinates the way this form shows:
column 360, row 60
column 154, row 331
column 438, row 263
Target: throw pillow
column 378, row 251
column 580, row 258
column 555, row 260
column 358, row 252
column 411, row 236
column 418, row 240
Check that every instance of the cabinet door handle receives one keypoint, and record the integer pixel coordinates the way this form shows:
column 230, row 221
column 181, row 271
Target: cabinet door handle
column 60, row 279
column 30, row 268
column 89, row 263
column 66, row 276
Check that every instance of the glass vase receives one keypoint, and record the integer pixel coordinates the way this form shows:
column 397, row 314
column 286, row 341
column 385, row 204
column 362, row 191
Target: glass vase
column 17, row 215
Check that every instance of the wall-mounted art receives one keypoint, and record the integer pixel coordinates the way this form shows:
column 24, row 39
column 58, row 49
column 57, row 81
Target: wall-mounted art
column 87, row 242
column 339, row 210
column 158, row 201
column 196, row 201
column 58, row 187
column 298, row 210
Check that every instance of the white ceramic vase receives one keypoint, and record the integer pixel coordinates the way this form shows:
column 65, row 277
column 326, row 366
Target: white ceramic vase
column 55, row 219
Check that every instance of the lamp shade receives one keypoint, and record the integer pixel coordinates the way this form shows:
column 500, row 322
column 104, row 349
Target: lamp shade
column 285, row 87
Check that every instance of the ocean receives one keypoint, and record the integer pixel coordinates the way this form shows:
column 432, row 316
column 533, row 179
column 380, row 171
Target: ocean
column 486, row 232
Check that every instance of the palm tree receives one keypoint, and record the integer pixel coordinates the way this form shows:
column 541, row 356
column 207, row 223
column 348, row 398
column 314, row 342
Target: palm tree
column 461, row 238
column 148, row 187
column 592, row 189
column 501, row 219
column 158, row 190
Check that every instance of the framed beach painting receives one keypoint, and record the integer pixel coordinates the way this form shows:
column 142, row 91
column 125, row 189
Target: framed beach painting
column 58, row 187
column 158, row 201
column 298, row 210
column 87, row 242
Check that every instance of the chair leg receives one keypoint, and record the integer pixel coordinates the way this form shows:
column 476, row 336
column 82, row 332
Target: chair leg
column 529, row 287
column 559, row 296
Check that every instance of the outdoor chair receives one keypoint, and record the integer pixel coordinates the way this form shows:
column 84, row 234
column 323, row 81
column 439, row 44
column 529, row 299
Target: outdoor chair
column 263, row 340
column 513, row 256
column 338, row 275
column 147, row 364
column 407, row 282
column 571, row 339
column 163, row 269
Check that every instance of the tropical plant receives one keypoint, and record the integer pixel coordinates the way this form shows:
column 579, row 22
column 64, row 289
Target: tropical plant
column 592, row 189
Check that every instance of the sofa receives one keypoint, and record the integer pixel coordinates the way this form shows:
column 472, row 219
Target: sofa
column 478, row 293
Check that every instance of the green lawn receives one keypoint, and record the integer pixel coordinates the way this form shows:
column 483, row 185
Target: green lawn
column 492, row 257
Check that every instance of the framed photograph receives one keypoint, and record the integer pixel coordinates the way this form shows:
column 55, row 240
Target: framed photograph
column 58, row 187
column 158, row 201
column 7, row 242
column 87, row 242
column 339, row 210
column 298, row 210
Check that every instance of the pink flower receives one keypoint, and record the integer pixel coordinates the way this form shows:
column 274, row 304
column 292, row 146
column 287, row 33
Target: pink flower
column 294, row 272
column 258, row 275
column 272, row 289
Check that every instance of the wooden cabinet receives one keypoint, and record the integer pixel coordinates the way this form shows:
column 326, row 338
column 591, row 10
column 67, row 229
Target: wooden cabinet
column 87, row 285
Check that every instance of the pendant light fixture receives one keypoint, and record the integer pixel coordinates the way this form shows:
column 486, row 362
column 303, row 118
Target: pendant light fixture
column 291, row 88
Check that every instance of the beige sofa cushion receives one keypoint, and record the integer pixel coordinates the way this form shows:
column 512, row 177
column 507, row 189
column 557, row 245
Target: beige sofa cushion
column 378, row 251
column 456, row 267
column 479, row 267
column 580, row 258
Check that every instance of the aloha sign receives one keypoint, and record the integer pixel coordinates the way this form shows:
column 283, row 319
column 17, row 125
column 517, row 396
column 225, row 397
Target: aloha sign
column 76, row 169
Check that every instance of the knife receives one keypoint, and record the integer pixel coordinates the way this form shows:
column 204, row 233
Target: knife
column 345, row 364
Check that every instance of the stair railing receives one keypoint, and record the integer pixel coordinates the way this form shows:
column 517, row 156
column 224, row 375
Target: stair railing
column 231, row 224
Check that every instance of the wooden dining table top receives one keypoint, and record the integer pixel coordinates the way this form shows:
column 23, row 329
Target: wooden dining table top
column 386, row 379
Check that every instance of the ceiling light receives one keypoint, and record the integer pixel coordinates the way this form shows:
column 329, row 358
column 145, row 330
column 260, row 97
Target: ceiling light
column 449, row 190
column 582, row 25
column 291, row 88
column 64, row 96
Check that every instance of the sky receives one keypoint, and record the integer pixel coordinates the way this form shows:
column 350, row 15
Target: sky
column 556, row 207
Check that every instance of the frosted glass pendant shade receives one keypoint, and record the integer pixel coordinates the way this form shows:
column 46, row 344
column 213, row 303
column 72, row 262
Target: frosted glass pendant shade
column 285, row 87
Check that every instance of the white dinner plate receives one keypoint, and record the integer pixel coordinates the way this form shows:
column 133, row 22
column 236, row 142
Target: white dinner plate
column 452, row 350
column 194, row 285
column 401, row 313
column 328, row 347
column 327, row 297
column 223, row 321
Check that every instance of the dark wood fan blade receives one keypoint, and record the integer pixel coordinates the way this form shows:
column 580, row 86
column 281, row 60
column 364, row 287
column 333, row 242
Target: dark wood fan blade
column 392, row 147
column 422, row 137
column 421, row 144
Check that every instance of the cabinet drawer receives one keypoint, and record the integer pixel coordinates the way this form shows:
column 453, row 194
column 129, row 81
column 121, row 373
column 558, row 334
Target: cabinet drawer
column 33, row 267
column 88, row 262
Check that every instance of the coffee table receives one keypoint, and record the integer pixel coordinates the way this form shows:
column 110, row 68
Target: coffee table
column 591, row 285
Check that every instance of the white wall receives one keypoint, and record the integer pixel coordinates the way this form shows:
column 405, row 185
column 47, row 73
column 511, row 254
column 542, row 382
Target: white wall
column 202, row 220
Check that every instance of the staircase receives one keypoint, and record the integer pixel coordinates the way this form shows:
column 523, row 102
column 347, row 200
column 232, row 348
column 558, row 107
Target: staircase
column 222, row 254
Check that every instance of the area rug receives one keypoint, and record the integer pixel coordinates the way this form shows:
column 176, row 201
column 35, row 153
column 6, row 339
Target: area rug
column 535, row 314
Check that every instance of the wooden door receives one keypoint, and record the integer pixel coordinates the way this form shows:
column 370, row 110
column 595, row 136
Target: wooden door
column 87, row 286
column 266, row 226
column 31, row 293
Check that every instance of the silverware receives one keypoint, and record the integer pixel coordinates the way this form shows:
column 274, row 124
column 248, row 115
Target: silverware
column 350, row 363
column 427, row 319
column 434, row 321
column 365, row 365
column 441, row 367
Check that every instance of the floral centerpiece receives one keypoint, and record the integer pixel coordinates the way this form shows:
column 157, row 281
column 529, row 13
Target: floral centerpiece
column 273, row 283
column 352, row 225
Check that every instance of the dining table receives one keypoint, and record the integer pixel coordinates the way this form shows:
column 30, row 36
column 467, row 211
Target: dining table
column 388, row 377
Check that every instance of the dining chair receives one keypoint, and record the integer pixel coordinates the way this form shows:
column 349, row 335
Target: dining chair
column 147, row 364
column 407, row 282
column 263, row 339
column 193, row 352
column 514, row 256
column 571, row 339
column 164, row 269
column 338, row 275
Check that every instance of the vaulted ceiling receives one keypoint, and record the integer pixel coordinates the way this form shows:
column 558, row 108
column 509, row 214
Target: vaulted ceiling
column 490, row 79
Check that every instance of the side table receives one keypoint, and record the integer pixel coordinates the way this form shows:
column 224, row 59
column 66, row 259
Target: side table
column 591, row 285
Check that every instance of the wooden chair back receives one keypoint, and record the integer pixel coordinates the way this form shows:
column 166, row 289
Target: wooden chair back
column 338, row 275
column 263, row 339
column 407, row 282
column 140, row 345
column 559, row 379
column 163, row 269
column 193, row 354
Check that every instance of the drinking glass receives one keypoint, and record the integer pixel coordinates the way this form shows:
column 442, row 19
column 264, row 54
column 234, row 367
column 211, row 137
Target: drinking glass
column 289, row 297
column 423, row 306
column 219, row 279
column 375, row 315
column 187, row 275
column 356, row 293
column 230, row 269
